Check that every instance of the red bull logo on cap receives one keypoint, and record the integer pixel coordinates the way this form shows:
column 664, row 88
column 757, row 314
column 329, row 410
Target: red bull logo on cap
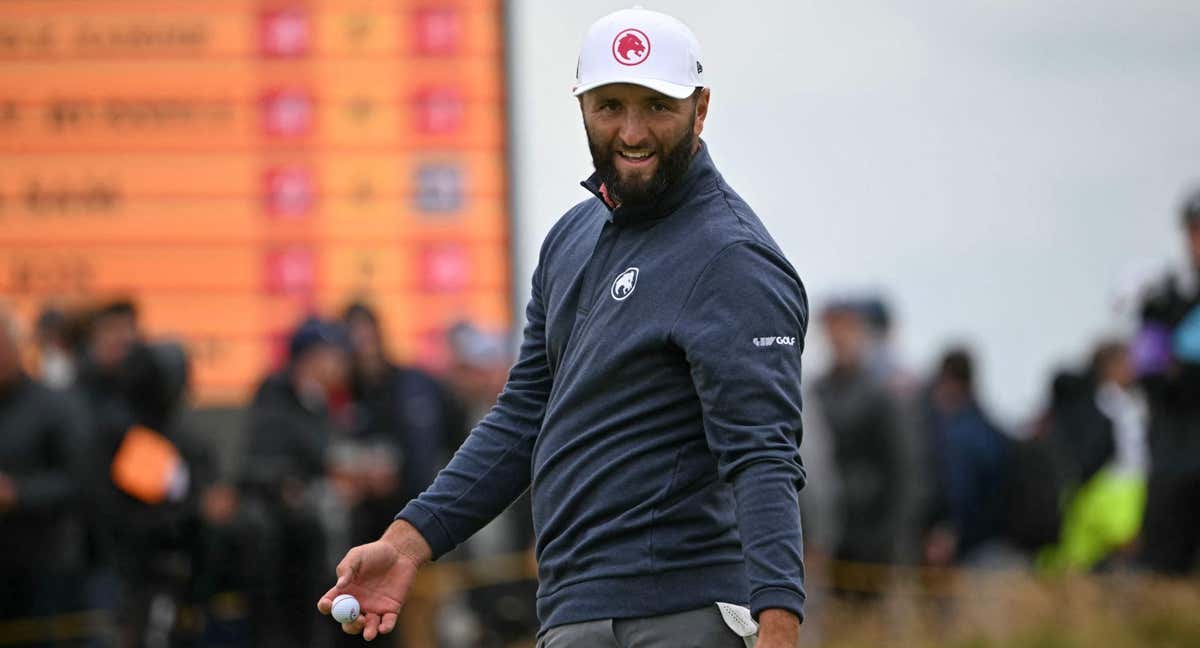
column 631, row 47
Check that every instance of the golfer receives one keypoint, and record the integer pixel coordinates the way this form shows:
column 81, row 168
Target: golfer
column 654, row 410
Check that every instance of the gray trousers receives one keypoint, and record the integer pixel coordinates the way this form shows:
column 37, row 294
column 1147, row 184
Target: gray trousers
column 699, row 628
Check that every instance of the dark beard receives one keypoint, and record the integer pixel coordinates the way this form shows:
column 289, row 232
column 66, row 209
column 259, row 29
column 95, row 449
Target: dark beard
column 673, row 163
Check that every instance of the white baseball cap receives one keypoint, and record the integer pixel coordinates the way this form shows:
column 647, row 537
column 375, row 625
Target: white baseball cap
column 640, row 46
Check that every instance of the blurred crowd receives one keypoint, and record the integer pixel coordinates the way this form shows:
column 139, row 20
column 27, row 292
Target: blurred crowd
column 906, row 470
column 113, row 498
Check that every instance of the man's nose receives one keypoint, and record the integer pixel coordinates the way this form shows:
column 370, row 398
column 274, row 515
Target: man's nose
column 634, row 132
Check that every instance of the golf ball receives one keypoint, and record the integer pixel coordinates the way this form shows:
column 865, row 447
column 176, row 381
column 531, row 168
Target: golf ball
column 345, row 608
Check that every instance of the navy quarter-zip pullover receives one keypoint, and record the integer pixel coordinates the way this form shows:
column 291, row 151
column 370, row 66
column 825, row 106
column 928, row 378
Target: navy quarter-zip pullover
column 654, row 410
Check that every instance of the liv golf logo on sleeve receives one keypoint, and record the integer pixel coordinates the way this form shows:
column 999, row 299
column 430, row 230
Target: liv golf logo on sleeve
column 781, row 340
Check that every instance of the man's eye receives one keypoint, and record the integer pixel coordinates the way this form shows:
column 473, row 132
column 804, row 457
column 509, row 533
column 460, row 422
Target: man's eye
column 659, row 107
column 609, row 106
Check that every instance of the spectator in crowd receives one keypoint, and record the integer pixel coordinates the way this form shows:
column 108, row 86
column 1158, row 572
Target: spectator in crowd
column 1105, row 512
column 41, row 438
column 859, row 418
column 103, row 338
column 1166, row 353
column 405, row 426
column 1069, row 443
column 148, row 473
column 110, row 333
column 886, row 366
column 496, row 615
column 479, row 363
column 288, row 434
column 884, row 361
column 969, row 460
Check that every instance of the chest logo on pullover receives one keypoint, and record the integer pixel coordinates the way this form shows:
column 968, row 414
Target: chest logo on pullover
column 623, row 285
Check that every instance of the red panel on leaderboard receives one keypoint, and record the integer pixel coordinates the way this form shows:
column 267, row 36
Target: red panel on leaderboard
column 440, row 110
column 438, row 31
column 284, row 33
column 288, row 192
column 445, row 267
column 291, row 270
column 287, row 113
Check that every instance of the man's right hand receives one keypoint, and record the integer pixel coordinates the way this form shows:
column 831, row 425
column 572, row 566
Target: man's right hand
column 379, row 575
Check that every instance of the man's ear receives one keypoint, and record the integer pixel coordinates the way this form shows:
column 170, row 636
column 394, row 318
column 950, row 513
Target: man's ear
column 702, row 96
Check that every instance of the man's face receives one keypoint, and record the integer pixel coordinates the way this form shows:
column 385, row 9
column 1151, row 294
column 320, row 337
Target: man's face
column 1121, row 369
column 112, row 338
column 641, row 141
column 331, row 366
column 847, row 335
column 364, row 339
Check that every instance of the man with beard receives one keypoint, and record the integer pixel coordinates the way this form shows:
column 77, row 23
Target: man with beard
column 654, row 410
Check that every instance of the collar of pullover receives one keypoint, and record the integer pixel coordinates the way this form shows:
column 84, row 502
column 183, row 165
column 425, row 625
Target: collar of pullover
column 700, row 170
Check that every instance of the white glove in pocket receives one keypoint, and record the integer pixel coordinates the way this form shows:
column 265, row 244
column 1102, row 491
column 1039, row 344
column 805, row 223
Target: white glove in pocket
column 740, row 622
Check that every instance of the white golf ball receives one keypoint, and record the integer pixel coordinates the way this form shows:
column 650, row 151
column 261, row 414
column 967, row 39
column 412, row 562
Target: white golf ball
column 345, row 608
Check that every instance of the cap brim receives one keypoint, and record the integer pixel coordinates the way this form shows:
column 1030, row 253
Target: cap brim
column 673, row 90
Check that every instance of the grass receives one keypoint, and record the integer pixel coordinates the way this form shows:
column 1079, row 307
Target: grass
column 1014, row 610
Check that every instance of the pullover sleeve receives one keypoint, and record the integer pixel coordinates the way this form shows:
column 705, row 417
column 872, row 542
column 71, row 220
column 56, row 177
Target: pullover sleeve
column 742, row 330
column 492, row 468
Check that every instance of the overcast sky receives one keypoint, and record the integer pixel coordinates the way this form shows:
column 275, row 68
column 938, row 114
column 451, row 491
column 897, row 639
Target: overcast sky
column 992, row 167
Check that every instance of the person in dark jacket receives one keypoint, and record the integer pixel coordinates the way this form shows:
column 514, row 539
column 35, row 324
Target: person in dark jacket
column 404, row 426
column 501, row 613
column 970, row 461
column 1167, row 351
column 109, row 335
column 402, row 415
column 654, row 410
column 290, row 423
column 287, row 437
column 861, row 419
column 147, row 532
column 42, row 435
column 1104, row 503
